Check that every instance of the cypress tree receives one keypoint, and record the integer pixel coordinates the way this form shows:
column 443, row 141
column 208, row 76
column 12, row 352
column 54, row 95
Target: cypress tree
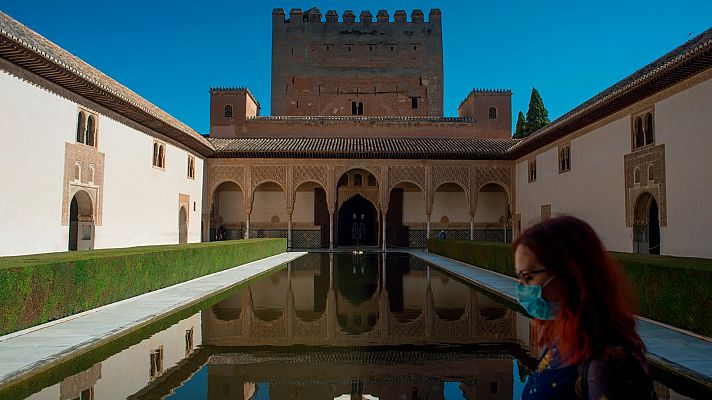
column 520, row 130
column 537, row 116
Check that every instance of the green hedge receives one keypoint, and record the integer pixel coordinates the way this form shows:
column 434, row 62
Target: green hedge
column 673, row 290
column 42, row 287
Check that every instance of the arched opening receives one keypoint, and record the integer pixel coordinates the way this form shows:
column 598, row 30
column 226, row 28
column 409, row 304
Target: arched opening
column 450, row 296
column 229, row 309
column 358, row 223
column 406, row 287
column 358, row 218
column 639, row 135
column 646, row 226
column 268, row 218
column 357, row 297
column 310, row 217
column 492, row 220
column 91, row 131
column 310, row 286
column 182, row 225
column 227, row 215
column 649, row 129
column 406, row 218
column 450, row 217
column 81, row 126
column 269, row 296
column 81, row 222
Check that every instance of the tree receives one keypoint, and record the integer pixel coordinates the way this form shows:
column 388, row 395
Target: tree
column 537, row 116
column 520, row 130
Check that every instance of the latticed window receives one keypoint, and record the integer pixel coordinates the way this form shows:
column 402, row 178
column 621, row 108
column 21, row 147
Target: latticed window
column 565, row 159
column 191, row 167
column 532, row 170
column 493, row 113
column 228, row 111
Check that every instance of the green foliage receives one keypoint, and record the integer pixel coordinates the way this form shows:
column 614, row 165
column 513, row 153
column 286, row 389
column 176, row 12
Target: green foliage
column 520, row 130
column 673, row 290
column 537, row 115
column 42, row 287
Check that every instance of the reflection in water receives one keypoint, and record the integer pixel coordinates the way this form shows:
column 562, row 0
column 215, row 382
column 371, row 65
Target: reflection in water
column 369, row 300
column 335, row 326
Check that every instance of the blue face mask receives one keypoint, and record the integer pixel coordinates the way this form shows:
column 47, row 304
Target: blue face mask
column 529, row 296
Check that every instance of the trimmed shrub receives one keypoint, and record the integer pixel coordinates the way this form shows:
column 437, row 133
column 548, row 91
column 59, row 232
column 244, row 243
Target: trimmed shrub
column 42, row 287
column 673, row 290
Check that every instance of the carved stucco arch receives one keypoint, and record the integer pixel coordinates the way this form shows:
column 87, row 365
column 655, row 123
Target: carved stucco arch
column 414, row 174
column 255, row 186
column 640, row 217
column 339, row 170
column 500, row 184
column 422, row 190
column 300, row 183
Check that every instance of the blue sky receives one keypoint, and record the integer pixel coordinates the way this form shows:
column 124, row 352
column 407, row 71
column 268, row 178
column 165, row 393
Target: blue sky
column 172, row 52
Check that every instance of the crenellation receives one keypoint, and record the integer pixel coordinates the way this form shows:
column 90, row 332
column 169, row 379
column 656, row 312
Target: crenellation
column 382, row 17
column 313, row 15
column 416, row 16
column 332, row 16
column 349, row 17
column 365, row 17
column 399, row 17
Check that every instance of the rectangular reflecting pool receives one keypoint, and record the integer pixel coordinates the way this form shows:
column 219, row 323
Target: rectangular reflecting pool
column 325, row 326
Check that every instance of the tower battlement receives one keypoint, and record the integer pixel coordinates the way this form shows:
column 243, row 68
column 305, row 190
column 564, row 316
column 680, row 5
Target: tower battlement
column 356, row 64
column 314, row 16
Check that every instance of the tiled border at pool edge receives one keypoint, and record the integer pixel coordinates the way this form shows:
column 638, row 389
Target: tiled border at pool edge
column 675, row 362
column 149, row 311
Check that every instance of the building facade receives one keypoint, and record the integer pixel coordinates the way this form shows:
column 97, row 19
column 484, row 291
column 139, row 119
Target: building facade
column 326, row 171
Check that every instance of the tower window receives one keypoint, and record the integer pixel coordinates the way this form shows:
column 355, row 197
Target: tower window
column 493, row 112
column 357, row 108
column 414, row 102
column 228, row 111
column 159, row 155
column 191, row 167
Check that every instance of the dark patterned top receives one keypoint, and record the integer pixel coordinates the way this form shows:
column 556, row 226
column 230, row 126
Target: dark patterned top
column 621, row 373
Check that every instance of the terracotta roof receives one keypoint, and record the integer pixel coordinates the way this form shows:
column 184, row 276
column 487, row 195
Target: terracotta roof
column 22, row 46
column 361, row 118
column 372, row 148
column 683, row 62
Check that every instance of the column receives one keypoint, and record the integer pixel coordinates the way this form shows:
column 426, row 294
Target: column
column 331, row 230
column 289, row 229
column 384, row 229
column 472, row 227
column 427, row 229
column 247, row 224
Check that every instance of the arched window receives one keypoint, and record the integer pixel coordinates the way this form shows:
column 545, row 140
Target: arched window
column 78, row 171
column 91, row 174
column 636, row 176
column 372, row 180
column 651, row 173
column 639, row 136
column 155, row 154
column 161, row 156
column 493, row 112
column 649, row 136
column 228, row 111
column 81, row 126
column 91, row 130
column 358, row 180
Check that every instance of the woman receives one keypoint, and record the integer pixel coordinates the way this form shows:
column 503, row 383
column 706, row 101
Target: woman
column 574, row 290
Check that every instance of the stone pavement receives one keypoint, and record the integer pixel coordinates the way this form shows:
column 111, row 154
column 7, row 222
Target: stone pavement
column 58, row 341
column 676, row 350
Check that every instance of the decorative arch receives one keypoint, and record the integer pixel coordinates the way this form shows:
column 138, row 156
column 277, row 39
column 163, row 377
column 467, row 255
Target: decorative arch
column 504, row 187
column 340, row 170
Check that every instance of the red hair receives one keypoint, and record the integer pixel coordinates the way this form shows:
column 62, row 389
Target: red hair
column 593, row 311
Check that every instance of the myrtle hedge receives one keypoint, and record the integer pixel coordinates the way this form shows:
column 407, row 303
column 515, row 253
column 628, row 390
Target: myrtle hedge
column 42, row 287
column 673, row 290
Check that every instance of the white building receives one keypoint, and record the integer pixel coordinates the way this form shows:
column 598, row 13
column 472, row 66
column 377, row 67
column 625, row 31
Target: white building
column 86, row 162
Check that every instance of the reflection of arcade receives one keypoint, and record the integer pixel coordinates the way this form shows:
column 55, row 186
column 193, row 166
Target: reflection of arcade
column 385, row 375
column 371, row 301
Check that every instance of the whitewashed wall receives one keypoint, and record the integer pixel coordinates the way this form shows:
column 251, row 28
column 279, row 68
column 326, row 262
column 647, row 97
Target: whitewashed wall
column 594, row 189
column 140, row 203
column 683, row 123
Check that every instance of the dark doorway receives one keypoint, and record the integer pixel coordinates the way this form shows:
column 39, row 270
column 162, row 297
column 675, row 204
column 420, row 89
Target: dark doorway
column 73, row 224
column 654, row 227
column 358, row 223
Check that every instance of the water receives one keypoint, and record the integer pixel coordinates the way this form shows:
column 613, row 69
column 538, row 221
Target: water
column 325, row 326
